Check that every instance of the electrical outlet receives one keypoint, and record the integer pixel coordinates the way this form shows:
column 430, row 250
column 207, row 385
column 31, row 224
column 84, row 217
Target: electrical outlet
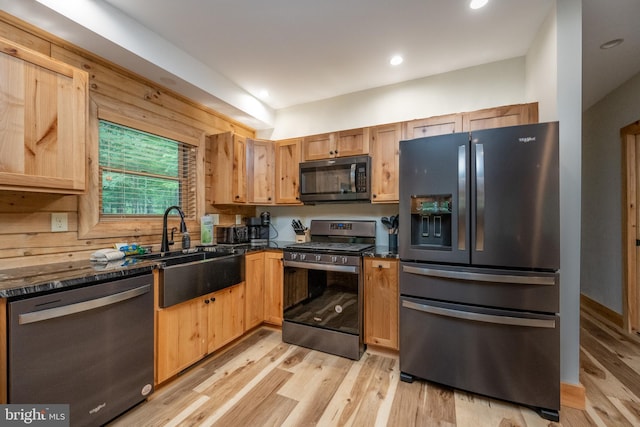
column 215, row 218
column 59, row 222
column 238, row 219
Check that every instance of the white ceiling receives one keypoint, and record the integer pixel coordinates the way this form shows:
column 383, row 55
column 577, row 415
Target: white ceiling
column 221, row 52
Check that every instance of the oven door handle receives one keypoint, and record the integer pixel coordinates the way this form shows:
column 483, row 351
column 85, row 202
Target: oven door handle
column 325, row 267
column 480, row 317
column 481, row 277
column 65, row 310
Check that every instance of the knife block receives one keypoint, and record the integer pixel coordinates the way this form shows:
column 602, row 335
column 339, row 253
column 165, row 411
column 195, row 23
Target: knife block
column 302, row 238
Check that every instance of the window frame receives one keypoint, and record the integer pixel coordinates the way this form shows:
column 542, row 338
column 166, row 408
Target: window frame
column 90, row 223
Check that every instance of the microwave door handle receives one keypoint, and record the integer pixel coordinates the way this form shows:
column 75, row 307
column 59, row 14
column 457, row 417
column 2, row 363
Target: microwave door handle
column 353, row 177
column 462, row 198
column 480, row 197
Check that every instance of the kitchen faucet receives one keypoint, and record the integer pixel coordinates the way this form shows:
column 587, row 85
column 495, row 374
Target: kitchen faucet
column 164, row 246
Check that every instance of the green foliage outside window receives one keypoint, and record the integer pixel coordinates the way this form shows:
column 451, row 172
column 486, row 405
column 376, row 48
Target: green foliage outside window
column 141, row 173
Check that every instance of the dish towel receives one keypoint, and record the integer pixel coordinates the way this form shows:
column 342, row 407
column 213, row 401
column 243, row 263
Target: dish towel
column 106, row 255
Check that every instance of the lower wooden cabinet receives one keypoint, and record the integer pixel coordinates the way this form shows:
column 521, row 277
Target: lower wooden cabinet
column 225, row 316
column 188, row 331
column 254, row 289
column 274, row 274
column 381, row 296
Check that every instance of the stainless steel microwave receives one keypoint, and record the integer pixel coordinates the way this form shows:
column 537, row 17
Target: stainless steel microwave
column 344, row 179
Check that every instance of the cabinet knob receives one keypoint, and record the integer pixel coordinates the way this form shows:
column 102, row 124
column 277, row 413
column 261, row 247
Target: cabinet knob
column 336, row 152
column 206, row 301
column 213, row 300
column 375, row 195
column 237, row 196
column 269, row 198
column 330, row 152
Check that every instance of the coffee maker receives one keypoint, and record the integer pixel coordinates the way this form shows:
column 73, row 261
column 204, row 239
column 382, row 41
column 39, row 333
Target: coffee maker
column 259, row 229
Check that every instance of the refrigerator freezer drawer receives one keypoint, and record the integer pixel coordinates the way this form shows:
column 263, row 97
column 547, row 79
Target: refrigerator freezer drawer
column 487, row 287
column 499, row 353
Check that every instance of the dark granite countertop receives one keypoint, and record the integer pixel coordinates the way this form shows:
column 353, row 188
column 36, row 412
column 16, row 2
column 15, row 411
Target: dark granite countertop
column 49, row 277
column 43, row 278
column 380, row 252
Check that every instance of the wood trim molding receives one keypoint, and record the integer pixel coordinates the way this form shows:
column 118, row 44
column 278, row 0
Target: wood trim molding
column 601, row 311
column 572, row 396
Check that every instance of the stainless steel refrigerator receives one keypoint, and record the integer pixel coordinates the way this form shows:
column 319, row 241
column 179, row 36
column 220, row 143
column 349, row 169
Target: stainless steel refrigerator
column 480, row 252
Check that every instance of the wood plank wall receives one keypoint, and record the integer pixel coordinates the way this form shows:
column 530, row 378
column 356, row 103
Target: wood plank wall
column 25, row 217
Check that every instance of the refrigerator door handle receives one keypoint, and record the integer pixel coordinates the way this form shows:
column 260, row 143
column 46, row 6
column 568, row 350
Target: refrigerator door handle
column 479, row 197
column 480, row 317
column 462, row 197
column 481, row 277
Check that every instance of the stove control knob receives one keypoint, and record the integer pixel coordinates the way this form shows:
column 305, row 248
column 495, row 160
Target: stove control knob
column 318, row 257
column 303, row 257
column 344, row 259
column 294, row 256
column 334, row 259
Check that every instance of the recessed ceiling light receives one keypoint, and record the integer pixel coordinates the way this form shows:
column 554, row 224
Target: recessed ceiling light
column 611, row 43
column 396, row 60
column 263, row 94
column 477, row 4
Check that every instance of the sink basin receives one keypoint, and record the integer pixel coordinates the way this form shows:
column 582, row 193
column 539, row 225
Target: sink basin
column 179, row 257
column 185, row 276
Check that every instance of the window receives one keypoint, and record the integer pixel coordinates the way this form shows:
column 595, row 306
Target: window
column 142, row 174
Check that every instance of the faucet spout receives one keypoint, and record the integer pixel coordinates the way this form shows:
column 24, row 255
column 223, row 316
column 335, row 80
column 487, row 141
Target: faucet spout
column 164, row 246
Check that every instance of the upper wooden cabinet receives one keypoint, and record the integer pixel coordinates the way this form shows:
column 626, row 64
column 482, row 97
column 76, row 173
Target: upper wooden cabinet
column 229, row 168
column 43, row 123
column 345, row 143
column 287, row 173
column 260, row 172
column 509, row 115
column 385, row 161
column 432, row 126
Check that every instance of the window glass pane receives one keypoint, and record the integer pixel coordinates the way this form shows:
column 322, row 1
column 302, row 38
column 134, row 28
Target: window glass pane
column 143, row 174
column 137, row 151
column 144, row 195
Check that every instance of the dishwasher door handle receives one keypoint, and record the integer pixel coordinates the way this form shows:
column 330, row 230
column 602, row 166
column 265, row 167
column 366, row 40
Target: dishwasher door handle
column 65, row 310
column 480, row 317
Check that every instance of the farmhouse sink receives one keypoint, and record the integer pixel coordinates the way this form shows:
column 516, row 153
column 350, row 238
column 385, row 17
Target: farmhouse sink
column 179, row 257
column 185, row 276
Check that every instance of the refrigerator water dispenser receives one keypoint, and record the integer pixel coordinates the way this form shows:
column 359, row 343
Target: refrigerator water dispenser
column 431, row 221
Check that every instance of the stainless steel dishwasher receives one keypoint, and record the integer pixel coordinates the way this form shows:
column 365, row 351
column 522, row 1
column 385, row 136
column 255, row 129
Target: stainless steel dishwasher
column 90, row 347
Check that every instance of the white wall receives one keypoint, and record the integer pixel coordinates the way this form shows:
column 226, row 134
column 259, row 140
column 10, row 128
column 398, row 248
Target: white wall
column 601, row 275
column 569, row 16
column 542, row 70
column 484, row 86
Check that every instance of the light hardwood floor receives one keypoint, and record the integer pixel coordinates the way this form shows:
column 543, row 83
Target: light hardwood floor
column 261, row 381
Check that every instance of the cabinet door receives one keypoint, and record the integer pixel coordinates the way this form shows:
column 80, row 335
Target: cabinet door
column 287, row 171
column 385, row 157
column 228, row 168
column 317, row 147
column 509, row 115
column 225, row 316
column 432, row 126
column 181, row 337
column 381, row 302
column 44, row 106
column 353, row 142
column 260, row 171
column 273, row 287
column 254, row 290
column 239, row 186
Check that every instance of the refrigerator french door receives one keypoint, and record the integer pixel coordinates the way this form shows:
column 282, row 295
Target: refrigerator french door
column 479, row 279
column 489, row 198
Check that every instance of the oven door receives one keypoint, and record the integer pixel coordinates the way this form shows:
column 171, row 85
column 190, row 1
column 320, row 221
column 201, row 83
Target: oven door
column 322, row 307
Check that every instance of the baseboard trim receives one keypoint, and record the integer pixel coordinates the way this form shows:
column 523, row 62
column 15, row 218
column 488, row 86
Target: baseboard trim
column 572, row 396
column 601, row 311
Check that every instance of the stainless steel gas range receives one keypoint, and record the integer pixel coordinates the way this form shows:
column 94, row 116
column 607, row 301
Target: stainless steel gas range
column 323, row 283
